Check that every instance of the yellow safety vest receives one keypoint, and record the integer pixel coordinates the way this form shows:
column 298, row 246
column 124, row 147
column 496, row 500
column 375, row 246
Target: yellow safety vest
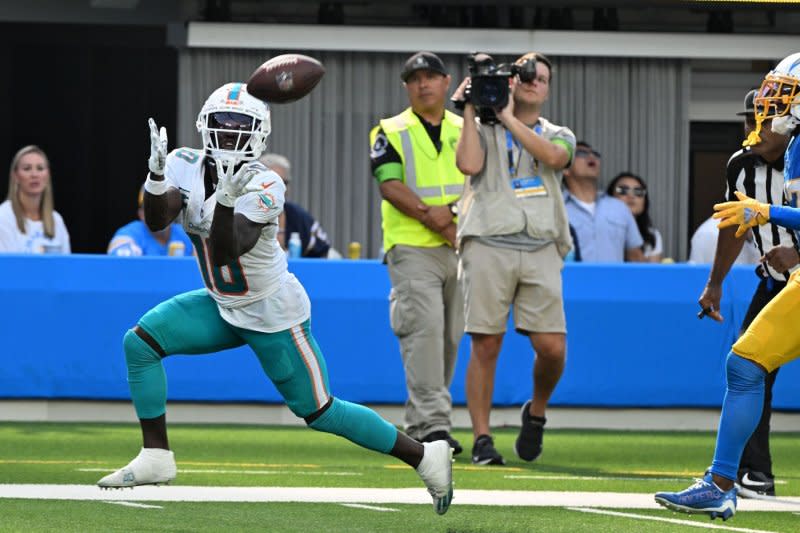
column 432, row 175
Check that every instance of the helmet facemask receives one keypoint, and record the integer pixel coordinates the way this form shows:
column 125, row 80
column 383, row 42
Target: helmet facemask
column 778, row 100
column 233, row 136
column 234, row 125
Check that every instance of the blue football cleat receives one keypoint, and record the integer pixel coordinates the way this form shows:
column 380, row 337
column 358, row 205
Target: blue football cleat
column 704, row 497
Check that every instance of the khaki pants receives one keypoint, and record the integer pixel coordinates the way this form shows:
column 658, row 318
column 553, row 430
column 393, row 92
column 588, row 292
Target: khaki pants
column 427, row 315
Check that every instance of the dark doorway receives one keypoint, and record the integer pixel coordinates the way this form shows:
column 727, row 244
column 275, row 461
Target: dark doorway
column 83, row 94
column 711, row 145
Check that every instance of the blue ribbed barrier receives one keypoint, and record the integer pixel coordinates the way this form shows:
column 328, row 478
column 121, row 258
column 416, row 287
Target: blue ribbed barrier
column 634, row 339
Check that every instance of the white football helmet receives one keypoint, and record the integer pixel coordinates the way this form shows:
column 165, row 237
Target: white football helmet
column 778, row 99
column 234, row 125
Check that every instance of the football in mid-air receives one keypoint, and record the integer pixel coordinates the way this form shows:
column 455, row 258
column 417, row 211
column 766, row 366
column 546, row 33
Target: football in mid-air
column 285, row 78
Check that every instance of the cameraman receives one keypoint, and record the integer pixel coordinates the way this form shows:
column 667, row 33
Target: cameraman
column 513, row 235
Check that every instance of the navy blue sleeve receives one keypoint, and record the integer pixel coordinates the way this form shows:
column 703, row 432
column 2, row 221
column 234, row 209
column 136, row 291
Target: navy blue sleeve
column 313, row 239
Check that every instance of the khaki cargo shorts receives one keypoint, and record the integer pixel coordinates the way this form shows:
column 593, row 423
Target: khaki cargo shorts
column 495, row 278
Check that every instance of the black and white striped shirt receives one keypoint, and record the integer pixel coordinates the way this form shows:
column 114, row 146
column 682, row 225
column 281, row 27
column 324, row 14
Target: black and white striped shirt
column 755, row 177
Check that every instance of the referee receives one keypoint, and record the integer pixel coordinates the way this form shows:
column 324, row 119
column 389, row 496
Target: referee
column 756, row 171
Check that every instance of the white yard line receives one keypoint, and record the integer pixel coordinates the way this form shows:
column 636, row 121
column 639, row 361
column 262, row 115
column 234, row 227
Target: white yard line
column 669, row 520
column 139, row 505
column 368, row 507
column 240, row 472
column 361, row 495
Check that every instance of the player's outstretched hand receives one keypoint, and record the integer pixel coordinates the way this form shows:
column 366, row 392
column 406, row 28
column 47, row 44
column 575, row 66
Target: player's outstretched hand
column 230, row 184
column 158, row 148
column 745, row 213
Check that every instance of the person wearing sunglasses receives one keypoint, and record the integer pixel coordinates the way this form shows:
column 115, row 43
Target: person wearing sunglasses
column 632, row 190
column 605, row 226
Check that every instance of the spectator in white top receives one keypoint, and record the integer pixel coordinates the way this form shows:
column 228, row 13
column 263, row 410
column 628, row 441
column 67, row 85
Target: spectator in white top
column 28, row 222
column 703, row 245
column 632, row 190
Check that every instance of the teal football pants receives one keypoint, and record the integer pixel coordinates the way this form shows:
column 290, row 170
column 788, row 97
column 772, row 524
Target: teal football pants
column 190, row 324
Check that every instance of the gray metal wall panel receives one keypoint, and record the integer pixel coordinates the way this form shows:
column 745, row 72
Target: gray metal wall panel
column 635, row 111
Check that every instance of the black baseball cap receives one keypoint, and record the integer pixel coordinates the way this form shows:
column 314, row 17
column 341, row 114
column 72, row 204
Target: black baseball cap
column 749, row 105
column 422, row 61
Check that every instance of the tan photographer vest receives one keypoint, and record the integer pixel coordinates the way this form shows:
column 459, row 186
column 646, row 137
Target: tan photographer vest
column 490, row 206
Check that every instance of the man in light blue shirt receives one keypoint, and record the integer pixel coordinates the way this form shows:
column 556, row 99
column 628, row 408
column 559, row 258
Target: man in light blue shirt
column 604, row 225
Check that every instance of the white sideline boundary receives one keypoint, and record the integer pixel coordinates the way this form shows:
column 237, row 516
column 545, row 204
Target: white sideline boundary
column 680, row 522
column 617, row 500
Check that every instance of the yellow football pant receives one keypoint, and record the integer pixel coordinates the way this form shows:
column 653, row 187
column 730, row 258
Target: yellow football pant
column 773, row 338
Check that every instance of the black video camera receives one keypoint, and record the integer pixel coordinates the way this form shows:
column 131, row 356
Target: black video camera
column 488, row 89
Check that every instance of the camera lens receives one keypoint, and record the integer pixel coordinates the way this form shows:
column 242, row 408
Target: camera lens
column 491, row 94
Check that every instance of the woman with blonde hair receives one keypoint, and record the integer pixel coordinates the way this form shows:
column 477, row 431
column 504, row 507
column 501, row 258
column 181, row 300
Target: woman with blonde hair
column 28, row 222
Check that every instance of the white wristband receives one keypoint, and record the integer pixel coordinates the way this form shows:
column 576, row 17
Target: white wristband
column 156, row 188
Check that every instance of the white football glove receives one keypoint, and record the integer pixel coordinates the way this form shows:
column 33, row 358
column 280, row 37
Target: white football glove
column 158, row 148
column 232, row 185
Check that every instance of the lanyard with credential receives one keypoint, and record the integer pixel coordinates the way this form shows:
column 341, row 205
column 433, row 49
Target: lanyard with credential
column 511, row 142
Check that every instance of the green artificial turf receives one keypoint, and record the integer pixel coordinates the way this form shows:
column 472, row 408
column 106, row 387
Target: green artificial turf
column 81, row 453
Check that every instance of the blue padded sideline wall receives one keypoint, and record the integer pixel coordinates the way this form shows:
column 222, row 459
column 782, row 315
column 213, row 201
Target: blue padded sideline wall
column 634, row 339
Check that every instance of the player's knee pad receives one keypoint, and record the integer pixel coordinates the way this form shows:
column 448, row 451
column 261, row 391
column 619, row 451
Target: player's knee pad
column 743, row 374
column 328, row 418
column 138, row 354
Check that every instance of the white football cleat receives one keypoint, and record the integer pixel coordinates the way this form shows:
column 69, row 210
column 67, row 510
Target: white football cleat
column 436, row 470
column 152, row 466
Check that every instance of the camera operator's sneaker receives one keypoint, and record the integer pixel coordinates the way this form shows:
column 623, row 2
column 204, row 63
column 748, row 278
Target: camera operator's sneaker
column 436, row 470
column 528, row 445
column 484, row 452
column 152, row 466
column 754, row 484
column 704, row 497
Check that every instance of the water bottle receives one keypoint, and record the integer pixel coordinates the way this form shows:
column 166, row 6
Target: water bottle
column 295, row 245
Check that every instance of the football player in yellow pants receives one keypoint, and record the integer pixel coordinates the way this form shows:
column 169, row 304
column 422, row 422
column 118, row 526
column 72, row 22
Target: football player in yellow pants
column 771, row 340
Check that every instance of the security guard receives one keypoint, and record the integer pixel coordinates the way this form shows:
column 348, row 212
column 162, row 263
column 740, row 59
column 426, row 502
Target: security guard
column 413, row 159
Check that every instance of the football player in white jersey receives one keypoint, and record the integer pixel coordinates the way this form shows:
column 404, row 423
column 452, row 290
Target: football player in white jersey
column 229, row 204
